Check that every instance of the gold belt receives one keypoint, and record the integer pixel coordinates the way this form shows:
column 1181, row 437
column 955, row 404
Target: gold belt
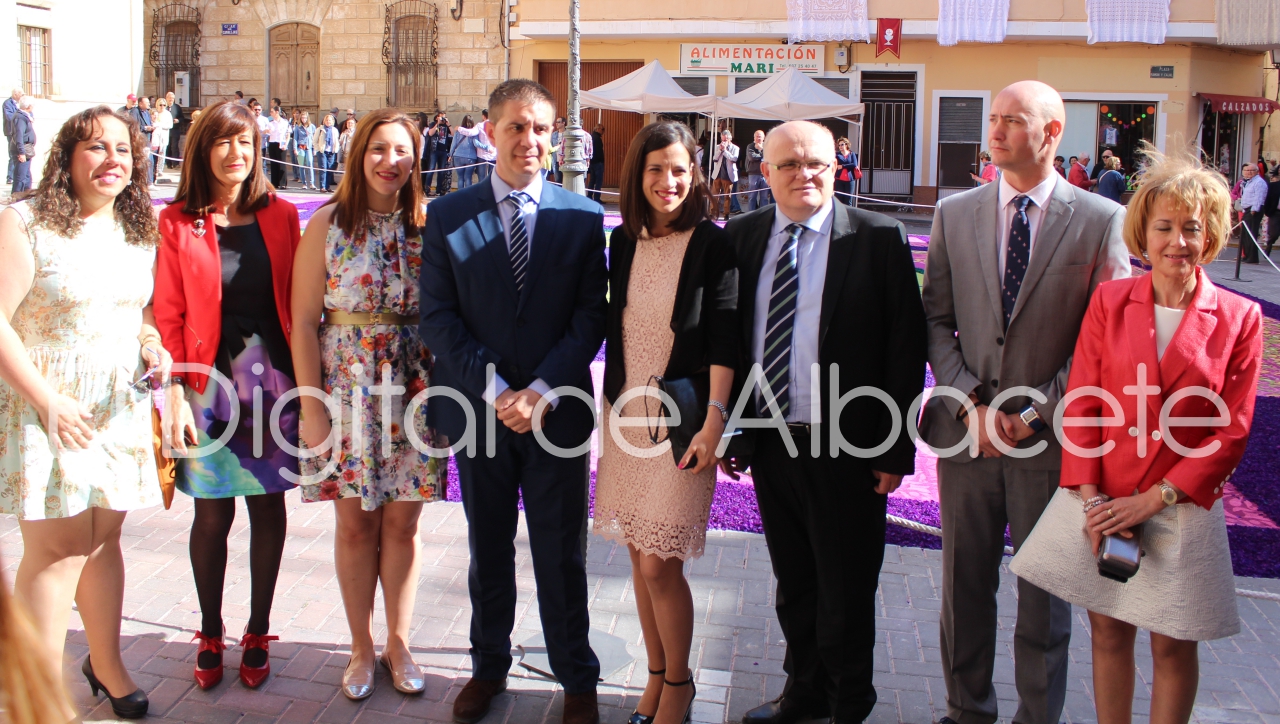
column 334, row 316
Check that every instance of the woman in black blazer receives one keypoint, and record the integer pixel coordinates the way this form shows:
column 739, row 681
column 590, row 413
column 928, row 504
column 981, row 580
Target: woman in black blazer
column 673, row 283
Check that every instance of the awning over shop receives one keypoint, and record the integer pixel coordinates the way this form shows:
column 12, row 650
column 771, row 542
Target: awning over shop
column 787, row 96
column 650, row 89
column 1240, row 104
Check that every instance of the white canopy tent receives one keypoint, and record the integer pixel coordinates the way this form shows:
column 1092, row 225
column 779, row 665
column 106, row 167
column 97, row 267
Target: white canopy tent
column 787, row 96
column 650, row 89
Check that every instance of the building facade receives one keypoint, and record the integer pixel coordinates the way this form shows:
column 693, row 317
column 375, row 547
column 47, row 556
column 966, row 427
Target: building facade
column 419, row 55
column 926, row 111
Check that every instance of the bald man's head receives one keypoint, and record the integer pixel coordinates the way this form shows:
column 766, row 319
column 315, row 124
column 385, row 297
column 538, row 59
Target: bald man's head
column 1025, row 127
column 799, row 166
column 1039, row 98
column 806, row 132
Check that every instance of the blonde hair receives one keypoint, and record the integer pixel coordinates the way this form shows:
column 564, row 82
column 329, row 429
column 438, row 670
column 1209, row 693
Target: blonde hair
column 29, row 690
column 1181, row 179
column 1111, row 163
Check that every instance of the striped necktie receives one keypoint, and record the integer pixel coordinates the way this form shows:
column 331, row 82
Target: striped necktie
column 519, row 245
column 1016, row 257
column 780, row 322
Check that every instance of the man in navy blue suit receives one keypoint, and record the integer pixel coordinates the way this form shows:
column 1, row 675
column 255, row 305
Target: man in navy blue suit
column 513, row 305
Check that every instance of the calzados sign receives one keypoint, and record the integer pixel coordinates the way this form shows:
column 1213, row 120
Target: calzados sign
column 700, row 59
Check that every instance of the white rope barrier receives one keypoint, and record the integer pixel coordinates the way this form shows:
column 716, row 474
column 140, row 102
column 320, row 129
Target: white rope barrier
column 1261, row 252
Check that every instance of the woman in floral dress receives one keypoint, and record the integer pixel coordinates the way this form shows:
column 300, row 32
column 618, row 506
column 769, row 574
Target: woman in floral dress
column 355, row 333
column 76, row 339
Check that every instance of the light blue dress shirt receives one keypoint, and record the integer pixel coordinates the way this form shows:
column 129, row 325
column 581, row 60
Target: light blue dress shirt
column 811, row 252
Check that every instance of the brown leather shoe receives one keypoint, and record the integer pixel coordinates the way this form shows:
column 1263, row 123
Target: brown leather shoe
column 581, row 709
column 474, row 699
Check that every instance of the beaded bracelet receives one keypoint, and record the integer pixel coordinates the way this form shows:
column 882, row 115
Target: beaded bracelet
column 1094, row 502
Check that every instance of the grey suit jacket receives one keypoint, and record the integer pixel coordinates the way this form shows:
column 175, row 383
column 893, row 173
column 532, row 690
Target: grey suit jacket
column 1079, row 245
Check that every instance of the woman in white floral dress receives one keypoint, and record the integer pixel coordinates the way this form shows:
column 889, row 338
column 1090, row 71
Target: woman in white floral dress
column 76, row 265
column 358, row 266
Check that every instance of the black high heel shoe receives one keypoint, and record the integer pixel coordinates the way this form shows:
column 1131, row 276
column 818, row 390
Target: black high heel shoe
column 638, row 718
column 688, row 713
column 133, row 706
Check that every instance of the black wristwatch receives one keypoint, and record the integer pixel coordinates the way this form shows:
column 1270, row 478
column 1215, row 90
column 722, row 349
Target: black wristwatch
column 1031, row 418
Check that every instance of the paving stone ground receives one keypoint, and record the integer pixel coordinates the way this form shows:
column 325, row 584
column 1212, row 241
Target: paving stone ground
column 737, row 649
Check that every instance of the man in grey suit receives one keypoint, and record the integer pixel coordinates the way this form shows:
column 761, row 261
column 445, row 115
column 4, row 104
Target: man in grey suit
column 1012, row 266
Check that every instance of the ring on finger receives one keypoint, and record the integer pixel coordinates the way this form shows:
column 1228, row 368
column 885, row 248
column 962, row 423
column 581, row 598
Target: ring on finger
column 1111, row 512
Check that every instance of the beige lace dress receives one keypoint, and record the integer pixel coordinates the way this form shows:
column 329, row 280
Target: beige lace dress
column 644, row 500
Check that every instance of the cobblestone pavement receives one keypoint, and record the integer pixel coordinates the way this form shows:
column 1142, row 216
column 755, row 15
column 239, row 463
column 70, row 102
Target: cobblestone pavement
column 737, row 647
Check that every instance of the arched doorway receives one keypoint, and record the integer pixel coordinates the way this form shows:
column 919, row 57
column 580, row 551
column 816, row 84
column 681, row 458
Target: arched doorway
column 294, row 68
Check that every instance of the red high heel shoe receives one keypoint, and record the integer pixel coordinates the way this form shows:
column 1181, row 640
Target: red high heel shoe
column 209, row 678
column 250, row 676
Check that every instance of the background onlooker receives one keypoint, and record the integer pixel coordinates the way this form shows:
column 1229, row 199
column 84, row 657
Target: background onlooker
column 724, row 175
column 1271, row 209
column 1058, row 166
column 180, row 122
column 464, row 152
column 757, row 187
column 10, row 108
column 485, row 149
column 846, row 162
column 160, row 139
column 1078, row 176
column 1253, row 196
column 595, row 170
column 1111, row 183
column 22, row 145
column 987, row 171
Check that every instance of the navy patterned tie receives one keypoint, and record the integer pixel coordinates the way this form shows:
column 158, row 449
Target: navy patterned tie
column 519, row 248
column 1016, row 257
column 780, row 323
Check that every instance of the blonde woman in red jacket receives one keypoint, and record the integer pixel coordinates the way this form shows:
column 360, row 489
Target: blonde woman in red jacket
column 222, row 306
column 1163, row 379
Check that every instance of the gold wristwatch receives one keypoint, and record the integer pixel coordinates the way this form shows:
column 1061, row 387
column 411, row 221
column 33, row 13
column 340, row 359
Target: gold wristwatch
column 1168, row 495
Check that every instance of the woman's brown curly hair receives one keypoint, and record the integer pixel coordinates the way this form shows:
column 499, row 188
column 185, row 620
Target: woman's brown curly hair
column 54, row 204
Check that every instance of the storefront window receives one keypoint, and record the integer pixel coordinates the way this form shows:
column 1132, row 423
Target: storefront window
column 1219, row 142
column 1122, row 127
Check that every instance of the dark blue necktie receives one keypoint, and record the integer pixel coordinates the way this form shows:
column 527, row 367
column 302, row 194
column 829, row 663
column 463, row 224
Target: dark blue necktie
column 780, row 322
column 519, row 248
column 1016, row 257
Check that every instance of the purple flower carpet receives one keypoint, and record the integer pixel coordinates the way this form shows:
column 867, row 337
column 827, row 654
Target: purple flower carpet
column 1251, row 499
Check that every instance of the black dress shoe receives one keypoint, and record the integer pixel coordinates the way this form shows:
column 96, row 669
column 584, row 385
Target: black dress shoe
column 785, row 711
column 133, row 706
column 947, row 720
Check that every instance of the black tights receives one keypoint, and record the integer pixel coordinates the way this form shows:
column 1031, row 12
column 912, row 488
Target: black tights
column 267, row 522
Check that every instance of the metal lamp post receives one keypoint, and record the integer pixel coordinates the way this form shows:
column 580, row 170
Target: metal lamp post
column 575, row 165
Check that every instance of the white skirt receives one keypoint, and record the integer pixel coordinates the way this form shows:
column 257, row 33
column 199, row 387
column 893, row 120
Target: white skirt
column 1184, row 587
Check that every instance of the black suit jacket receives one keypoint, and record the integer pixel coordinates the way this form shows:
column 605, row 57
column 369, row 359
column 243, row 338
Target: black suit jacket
column 704, row 316
column 872, row 326
column 472, row 314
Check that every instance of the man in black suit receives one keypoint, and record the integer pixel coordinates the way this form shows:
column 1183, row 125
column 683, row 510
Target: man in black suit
column 513, row 306
column 179, row 128
column 826, row 284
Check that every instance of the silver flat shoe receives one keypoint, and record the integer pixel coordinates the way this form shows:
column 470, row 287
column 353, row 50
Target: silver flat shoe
column 357, row 681
column 408, row 680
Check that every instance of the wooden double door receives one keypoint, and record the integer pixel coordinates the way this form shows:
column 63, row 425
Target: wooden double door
column 619, row 126
column 295, row 65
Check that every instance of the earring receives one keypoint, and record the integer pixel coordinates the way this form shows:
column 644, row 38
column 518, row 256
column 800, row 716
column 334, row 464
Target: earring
column 199, row 230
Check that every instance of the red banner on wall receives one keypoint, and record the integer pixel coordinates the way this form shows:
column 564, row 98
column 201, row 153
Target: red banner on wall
column 889, row 36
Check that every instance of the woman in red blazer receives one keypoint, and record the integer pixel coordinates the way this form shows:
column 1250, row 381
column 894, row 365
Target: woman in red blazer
column 222, row 306
column 1163, row 381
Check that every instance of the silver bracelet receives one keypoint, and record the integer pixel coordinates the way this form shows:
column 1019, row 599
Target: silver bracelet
column 724, row 411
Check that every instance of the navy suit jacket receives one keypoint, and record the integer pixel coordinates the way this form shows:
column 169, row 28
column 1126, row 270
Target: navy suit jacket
column 472, row 315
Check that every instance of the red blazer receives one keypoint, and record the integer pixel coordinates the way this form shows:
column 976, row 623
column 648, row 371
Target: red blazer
column 1218, row 346
column 188, row 294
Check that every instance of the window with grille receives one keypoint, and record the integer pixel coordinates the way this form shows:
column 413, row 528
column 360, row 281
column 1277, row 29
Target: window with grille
column 409, row 47
column 175, row 49
column 34, row 57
